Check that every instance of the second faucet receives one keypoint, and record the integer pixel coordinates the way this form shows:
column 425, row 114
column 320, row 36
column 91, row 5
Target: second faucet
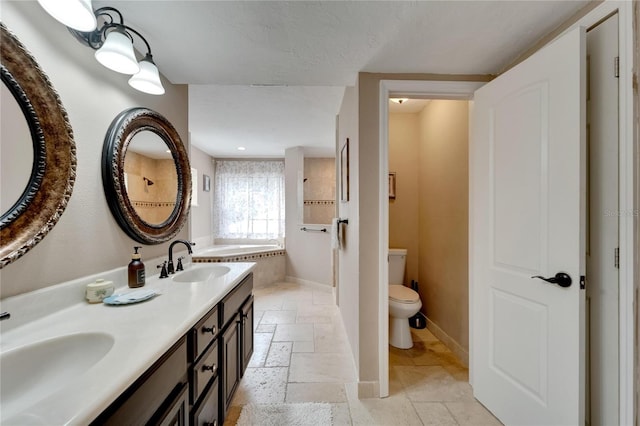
column 170, row 268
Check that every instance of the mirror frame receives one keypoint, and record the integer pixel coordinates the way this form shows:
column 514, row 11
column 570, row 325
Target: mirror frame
column 53, row 174
column 122, row 130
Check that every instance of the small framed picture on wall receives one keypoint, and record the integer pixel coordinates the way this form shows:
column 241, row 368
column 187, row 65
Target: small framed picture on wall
column 206, row 183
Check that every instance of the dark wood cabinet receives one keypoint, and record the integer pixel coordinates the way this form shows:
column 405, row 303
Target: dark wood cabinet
column 193, row 383
column 236, row 341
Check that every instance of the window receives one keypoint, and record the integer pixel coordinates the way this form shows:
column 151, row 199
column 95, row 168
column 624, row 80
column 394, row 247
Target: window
column 249, row 199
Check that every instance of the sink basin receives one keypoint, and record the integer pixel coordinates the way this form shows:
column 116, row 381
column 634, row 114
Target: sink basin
column 32, row 372
column 200, row 274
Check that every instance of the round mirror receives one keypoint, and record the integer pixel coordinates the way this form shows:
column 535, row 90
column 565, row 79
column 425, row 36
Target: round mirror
column 146, row 175
column 37, row 149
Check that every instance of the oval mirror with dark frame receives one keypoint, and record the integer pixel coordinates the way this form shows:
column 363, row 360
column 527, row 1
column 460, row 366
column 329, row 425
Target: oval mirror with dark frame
column 146, row 175
column 41, row 192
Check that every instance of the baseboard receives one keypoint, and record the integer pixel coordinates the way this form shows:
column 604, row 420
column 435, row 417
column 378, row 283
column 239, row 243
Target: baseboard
column 307, row 283
column 368, row 390
column 461, row 353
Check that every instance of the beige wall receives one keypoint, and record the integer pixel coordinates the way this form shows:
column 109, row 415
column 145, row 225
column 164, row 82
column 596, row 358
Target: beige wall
column 444, row 212
column 87, row 239
column 202, row 214
column 349, row 282
column 404, row 147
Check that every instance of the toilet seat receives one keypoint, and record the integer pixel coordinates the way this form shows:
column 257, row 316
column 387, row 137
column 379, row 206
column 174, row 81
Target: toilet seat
column 402, row 294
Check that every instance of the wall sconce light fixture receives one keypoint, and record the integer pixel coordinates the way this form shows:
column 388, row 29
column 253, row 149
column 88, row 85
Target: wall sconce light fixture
column 104, row 31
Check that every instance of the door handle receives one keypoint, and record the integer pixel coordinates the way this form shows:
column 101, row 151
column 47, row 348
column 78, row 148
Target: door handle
column 561, row 278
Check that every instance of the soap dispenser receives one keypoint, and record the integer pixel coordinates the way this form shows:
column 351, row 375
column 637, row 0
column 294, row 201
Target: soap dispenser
column 136, row 270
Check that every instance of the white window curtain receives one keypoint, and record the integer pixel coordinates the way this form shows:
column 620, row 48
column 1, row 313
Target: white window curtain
column 249, row 199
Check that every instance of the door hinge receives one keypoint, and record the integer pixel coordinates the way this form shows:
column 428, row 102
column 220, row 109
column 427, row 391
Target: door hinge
column 583, row 282
column 616, row 67
column 616, row 257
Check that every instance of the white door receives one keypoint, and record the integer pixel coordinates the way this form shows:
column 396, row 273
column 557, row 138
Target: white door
column 527, row 186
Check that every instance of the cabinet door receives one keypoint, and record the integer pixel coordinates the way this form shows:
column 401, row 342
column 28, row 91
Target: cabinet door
column 206, row 413
column 178, row 413
column 246, row 334
column 230, row 362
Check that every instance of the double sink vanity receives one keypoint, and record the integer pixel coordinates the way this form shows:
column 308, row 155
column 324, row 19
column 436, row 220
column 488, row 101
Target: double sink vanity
column 175, row 359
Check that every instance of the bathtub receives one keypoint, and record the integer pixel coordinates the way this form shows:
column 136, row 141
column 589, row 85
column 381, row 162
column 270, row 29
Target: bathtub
column 269, row 259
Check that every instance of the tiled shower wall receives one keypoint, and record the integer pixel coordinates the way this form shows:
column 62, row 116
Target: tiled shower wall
column 319, row 190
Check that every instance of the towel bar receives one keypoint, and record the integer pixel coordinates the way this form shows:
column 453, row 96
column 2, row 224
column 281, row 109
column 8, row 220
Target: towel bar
column 304, row 228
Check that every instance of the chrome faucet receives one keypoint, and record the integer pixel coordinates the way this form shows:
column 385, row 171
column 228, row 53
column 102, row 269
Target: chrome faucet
column 5, row 315
column 170, row 269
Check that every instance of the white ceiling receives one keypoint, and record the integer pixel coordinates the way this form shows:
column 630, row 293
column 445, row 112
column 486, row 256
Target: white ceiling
column 269, row 75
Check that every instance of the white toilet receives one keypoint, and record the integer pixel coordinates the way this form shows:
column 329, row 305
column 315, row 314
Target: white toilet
column 403, row 301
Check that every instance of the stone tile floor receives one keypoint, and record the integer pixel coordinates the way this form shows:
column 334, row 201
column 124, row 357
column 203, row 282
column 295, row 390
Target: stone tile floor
column 301, row 355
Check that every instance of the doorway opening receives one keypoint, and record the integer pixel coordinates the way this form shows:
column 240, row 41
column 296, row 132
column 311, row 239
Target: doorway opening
column 428, row 212
column 440, row 90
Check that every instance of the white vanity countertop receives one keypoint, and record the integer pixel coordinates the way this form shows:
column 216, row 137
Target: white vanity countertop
column 142, row 332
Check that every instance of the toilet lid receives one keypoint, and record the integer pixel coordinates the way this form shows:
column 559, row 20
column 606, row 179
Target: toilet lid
column 402, row 294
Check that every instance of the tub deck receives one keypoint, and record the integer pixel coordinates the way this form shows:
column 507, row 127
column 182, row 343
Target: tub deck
column 269, row 259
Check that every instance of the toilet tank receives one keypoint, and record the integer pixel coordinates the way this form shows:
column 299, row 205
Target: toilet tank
column 397, row 261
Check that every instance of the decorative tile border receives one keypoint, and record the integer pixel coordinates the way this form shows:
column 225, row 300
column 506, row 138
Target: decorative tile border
column 319, row 202
column 246, row 257
column 153, row 203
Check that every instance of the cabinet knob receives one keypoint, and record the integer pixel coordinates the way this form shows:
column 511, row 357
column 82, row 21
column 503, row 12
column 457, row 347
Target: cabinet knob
column 211, row 330
column 213, row 368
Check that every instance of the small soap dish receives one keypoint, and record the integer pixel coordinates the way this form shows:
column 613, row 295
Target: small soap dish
column 131, row 297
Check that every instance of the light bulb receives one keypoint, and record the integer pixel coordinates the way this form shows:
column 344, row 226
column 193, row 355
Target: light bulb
column 76, row 14
column 147, row 80
column 117, row 54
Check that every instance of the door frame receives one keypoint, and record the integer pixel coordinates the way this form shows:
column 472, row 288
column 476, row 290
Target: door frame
column 629, row 168
column 426, row 89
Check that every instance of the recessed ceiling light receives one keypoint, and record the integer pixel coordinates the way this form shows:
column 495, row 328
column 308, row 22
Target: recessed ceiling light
column 241, row 148
column 398, row 100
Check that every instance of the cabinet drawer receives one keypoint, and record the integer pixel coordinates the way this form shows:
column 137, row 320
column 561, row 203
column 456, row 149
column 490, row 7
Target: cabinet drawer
column 203, row 334
column 203, row 371
column 232, row 302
